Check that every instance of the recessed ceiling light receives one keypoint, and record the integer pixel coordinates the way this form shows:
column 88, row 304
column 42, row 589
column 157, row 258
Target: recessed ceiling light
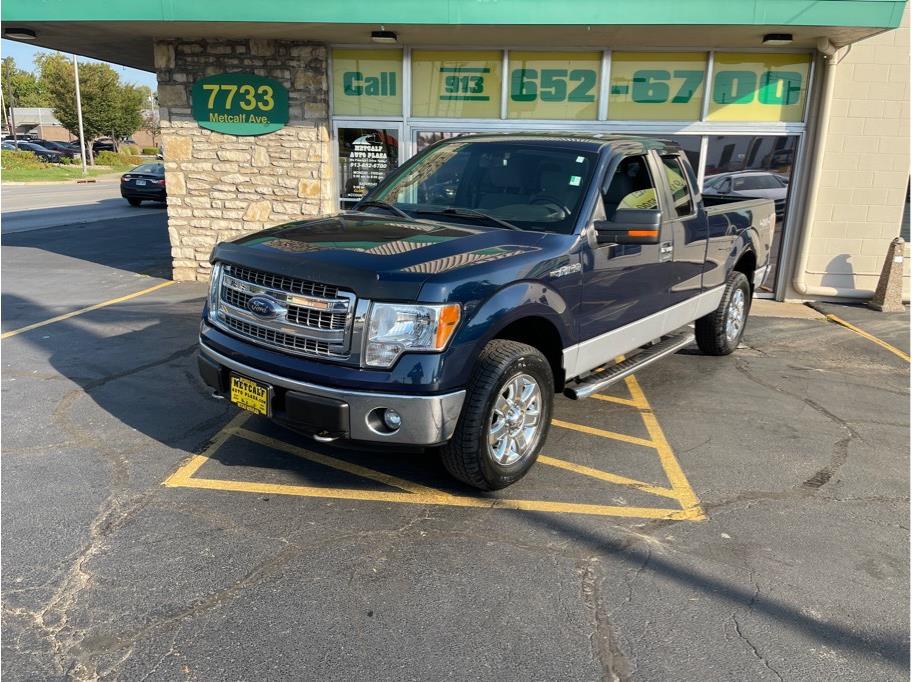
column 384, row 37
column 777, row 39
column 19, row 34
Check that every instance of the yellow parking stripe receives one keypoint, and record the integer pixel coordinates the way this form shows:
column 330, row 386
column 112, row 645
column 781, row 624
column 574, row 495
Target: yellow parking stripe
column 340, row 464
column 592, row 431
column 615, row 399
column 82, row 311
column 676, row 477
column 444, row 500
column 190, row 467
column 606, row 476
column 870, row 337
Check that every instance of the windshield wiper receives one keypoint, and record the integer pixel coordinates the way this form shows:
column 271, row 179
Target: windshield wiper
column 468, row 213
column 383, row 204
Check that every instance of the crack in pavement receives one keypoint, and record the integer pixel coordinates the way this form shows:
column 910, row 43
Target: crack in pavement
column 840, row 449
column 603, row 639
column 743, row 637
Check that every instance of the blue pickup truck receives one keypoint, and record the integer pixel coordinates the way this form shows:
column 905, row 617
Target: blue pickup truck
column 485, row 275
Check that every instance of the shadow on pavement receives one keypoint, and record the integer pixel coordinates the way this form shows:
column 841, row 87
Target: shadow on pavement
column 138, row 244
column 146, row 379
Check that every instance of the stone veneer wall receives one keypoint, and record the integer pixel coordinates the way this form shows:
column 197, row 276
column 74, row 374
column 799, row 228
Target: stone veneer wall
column 223, row 186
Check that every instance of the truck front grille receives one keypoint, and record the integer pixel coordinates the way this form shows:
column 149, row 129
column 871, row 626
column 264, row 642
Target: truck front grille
column 290, row 284
column 301, row 317
column 273, row 338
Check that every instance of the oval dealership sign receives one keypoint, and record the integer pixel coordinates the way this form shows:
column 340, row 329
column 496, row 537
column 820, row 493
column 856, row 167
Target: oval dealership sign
column 240, row 104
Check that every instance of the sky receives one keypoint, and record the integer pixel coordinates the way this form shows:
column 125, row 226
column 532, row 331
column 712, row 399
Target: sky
column 24, row 55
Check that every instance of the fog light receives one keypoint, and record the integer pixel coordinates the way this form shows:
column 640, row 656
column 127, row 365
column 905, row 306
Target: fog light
column 392, row 419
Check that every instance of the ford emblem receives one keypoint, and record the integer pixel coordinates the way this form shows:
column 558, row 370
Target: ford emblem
column 264, row 307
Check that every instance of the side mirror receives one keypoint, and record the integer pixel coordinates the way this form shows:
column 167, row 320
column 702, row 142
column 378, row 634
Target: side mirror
column 630, row 226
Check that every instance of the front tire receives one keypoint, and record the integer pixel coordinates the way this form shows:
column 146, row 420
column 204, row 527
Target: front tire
column 505, row 417
column 720, row 332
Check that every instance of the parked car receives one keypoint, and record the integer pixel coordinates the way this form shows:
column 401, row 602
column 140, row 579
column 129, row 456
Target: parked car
column 63, row 148
column 744, row 184
column 451, row 319
column 146, row 182
column 104, row 144
column 42, row 153
column 8, row 146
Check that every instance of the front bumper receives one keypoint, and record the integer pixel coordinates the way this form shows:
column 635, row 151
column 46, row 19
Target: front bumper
column 426, row 419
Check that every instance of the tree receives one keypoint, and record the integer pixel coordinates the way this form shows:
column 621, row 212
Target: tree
column 21, row 87
column 109, row 108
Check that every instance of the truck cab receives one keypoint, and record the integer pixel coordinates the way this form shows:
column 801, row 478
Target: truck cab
column 484, row 276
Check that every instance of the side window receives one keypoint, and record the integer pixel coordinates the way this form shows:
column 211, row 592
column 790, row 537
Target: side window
column 631, row 186
column 677, row 181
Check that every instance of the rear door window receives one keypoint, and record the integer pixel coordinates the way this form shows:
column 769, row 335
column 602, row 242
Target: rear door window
column 682, row 200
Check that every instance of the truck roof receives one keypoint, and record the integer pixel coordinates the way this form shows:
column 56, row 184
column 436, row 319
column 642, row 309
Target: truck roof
column 630, row 144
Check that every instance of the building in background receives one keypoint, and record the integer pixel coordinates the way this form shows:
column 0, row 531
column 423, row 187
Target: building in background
column 802, row 101
column 40, row 122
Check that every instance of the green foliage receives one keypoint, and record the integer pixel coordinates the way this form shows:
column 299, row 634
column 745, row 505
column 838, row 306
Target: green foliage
column 20, row 159
column 150, row 151
column 130, row 149
column 109, row 107
column 117, row 160
column 20, row 87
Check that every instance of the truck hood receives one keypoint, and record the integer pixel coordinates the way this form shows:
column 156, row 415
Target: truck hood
column 375, row 256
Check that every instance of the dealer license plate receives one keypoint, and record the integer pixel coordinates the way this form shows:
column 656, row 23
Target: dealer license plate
column 250, row 395
column 140, row 183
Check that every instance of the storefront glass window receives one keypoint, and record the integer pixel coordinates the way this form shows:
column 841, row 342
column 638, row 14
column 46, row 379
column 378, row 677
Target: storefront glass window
column 753, row 167
column 425, row 138
column 554, row 85
column 366, row 155
column 656, row 86
column 367, row 82
column 758, row 86
column 450, row 84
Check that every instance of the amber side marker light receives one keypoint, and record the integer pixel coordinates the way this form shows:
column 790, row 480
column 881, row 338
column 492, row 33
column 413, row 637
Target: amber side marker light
column 642, row 233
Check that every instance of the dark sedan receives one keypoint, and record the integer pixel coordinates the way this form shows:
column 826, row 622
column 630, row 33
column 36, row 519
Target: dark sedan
column 62, row 148
column 144, row 183
column 42, row 153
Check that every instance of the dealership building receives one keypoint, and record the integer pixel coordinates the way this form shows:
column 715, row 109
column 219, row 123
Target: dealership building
column 275, row 110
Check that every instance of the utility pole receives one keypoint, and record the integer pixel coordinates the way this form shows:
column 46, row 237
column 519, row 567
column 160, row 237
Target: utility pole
column 82, row 144
column 12, row 102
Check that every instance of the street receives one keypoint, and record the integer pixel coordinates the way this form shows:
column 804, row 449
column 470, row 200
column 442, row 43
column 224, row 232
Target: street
column 153, row 532
column 36, row 206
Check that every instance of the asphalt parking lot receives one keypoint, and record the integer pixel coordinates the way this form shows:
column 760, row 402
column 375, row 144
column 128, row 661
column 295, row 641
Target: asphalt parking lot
column 735, row 518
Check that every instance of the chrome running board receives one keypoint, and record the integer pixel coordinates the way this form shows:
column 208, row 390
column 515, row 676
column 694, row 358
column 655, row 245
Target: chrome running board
column 598, row 381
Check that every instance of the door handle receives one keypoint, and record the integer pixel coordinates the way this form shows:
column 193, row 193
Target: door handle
column 666, row 249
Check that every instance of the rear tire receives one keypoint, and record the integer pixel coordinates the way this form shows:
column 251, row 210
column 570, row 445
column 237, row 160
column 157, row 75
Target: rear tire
column 720, row 332
column 505, row 417
column 134, row 202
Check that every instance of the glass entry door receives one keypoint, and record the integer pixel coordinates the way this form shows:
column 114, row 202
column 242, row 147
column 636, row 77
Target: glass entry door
column 365, row 152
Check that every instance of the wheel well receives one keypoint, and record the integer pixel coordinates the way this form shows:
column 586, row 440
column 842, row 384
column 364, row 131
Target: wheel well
column 542, row 335
column 747, row 264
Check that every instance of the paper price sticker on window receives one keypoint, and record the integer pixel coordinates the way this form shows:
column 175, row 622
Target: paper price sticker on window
column 239, row 104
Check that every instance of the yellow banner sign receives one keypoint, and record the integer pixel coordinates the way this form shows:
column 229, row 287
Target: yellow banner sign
column 756, row 86
column 554, row 85
column 656, row 86
column 451, row 84
column 367, row 82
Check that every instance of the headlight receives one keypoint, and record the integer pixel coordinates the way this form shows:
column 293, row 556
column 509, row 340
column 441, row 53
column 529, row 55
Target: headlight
column 215, row 283
column 394, row 329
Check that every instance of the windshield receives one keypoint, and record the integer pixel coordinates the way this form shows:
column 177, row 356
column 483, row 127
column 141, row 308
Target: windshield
column 150, row 168
column 531, row 185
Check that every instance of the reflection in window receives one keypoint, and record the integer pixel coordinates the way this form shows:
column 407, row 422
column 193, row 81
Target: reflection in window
column 677, row 182
column 753, row 167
